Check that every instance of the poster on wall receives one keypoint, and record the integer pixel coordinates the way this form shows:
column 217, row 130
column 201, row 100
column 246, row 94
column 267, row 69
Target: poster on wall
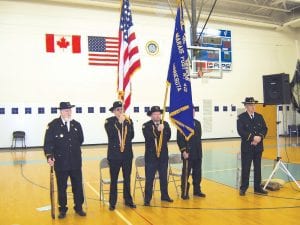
column 211, row 40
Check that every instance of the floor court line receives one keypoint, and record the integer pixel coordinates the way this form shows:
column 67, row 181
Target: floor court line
column 228, row 169
column 116, row 211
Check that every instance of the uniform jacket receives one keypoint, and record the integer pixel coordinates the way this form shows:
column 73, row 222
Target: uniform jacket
column 64, row 145
column 151, row 134
column 248, row 128
column 194, row 145
column 113, row 129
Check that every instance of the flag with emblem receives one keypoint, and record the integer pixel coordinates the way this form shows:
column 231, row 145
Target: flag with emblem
column 129, row 59
column 295, row 88
column 181, row 105
column 63, row 43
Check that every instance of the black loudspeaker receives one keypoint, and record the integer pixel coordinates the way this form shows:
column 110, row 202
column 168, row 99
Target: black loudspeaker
column 277, row 89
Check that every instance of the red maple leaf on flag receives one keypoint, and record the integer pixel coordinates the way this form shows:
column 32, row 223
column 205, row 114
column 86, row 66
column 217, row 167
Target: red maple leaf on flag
column 62, row 43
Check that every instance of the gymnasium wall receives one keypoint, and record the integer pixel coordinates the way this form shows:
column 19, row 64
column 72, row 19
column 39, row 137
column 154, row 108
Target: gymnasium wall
column 33, row 81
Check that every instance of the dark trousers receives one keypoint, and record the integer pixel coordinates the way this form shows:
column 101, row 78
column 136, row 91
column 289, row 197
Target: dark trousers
column 150, row 171
column 114, row 169
column 189, row 165
column 247, row 157
column 76, row 181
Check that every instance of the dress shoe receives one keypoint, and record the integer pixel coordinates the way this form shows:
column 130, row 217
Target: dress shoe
column 260, row 192
column 81, row 213
column 112, row 207
column 61, row 215
column 200, row 194
column 167, row 199
column 146, row 203
column 242, row 193
column 185, row 197
column 131, row 205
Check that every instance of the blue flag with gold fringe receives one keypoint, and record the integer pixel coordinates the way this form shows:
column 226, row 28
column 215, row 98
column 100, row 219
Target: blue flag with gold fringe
column 181, row 104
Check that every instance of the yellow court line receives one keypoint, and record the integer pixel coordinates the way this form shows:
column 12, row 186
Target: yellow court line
column 116, row 211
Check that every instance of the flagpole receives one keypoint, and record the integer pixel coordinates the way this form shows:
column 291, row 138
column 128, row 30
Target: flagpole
column 163, row 119
column 158, row 150
column 186, row 177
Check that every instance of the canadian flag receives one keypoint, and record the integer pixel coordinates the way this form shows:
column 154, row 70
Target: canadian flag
column 55, row 43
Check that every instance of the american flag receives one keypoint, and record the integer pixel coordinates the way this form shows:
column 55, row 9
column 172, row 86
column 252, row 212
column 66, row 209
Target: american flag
column 129, row 59
column 103, row 51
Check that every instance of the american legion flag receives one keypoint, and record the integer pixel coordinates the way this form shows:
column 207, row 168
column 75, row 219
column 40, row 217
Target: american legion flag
column 181, row 104
column 129, row 59
column 103, row 51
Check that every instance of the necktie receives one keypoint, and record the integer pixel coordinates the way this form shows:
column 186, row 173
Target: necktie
column 252, row 116
column 66, row 124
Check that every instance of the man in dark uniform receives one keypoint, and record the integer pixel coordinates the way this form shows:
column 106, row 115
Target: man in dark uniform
column 252, row 128
column 62, row 143
column 191, row 153
column 120, row 132
column 156, row 154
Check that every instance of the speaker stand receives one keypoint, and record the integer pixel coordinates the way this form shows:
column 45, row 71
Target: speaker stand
column 280, row 164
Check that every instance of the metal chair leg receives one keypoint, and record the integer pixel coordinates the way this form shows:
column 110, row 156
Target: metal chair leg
column 141, row 187
column 134, row 187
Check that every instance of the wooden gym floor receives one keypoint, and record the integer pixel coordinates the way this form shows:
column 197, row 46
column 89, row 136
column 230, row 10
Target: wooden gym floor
column 24, row 191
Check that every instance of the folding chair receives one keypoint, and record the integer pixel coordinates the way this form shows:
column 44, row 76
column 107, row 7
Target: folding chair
column 139, row 163
column 293, row 132
column 103, row 180
column 175, row 170
column 18, row 135
column 140, row 176
column 239, row 170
